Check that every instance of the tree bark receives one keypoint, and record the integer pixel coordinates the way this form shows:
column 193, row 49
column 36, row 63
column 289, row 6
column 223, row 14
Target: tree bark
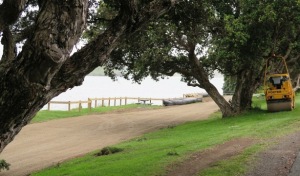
column 44, row 68
column 10, row 10
column 202, row 77
column 248, row 80
column 25, row 80
column 9, row 46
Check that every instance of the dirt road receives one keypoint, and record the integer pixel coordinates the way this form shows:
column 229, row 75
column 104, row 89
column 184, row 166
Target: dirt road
column 41, row 145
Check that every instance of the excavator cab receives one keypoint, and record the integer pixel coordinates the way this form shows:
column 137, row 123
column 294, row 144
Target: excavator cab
column 279, row 91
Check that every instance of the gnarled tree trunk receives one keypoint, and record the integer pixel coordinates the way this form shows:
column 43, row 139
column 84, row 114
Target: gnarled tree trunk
column 247, row 83
column 201, row 76
column 44, row 68
column 25, row 82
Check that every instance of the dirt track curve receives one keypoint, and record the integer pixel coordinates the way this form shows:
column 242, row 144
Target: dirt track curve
column 41, row 145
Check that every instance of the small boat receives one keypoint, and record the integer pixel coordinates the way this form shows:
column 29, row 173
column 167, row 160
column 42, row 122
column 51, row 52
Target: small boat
column 180, row 101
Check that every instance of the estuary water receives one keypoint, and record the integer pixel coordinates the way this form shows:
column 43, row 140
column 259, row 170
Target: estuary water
column 104, row 87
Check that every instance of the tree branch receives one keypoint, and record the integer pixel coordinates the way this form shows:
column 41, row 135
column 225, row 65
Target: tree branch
column 9, row 45
column 96, row 52
column 288, row 52
column 58, row 28
column 193, row 84
column 97, row 20
column 10, row 11
column 293, row 59
column 24, row 34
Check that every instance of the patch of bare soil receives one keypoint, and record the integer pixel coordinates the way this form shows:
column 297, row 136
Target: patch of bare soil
column 278, row 159
column 207, row 158
column 41, row 145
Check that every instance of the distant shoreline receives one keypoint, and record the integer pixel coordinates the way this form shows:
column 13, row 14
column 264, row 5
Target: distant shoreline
column 99, row 71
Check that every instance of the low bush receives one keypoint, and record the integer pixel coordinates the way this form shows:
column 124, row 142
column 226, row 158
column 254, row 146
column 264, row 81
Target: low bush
column 108, row 151
column 4, row 165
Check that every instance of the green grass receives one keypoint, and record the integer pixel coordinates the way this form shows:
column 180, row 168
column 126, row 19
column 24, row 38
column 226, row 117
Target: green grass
column 152, row 153
column 235, row 165
column 259, row 102
column 46, row 115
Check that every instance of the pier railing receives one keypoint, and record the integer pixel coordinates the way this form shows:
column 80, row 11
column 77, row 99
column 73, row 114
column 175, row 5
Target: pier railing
column 112, row 101
column 70, row 103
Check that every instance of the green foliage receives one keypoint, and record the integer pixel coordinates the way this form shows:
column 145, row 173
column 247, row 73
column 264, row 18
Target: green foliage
column 108, row 151
column 229, row 84
column 4, row 165
column 161, row 49
column 196, row 38
column 172, row 145
column 172, row 153
column 100, row 18
column 255, row 31
column 230, row 36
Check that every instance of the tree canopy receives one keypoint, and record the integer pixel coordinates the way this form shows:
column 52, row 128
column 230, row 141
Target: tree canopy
column 154, row 38
column 196, row 38
column 43, row 66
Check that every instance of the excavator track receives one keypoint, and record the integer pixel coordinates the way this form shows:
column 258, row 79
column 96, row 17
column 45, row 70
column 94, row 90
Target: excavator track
column 276, row 106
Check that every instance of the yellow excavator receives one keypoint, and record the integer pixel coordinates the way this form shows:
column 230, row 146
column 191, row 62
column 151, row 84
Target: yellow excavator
column 278, row 88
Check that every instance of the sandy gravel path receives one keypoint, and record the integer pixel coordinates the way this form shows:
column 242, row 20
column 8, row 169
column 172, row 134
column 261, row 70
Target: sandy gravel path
column 41, row 145
column 279, row 159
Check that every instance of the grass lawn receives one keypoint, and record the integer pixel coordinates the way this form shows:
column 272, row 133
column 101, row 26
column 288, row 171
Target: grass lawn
column 151, row 153
column 46, row 115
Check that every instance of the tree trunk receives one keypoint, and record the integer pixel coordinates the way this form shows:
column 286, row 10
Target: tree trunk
column 44, row 68
column 9, row 50
column 201, row 76
column 225, row 107
column 247, row 82
column 25, row 81
column 10, row 11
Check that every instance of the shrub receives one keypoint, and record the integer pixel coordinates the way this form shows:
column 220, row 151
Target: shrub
column 108, row 151
column 4, row 165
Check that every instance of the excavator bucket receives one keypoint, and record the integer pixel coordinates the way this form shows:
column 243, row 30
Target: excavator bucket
column 279, row 106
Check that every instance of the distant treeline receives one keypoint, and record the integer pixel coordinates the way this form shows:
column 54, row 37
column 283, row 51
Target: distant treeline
column 99, row 71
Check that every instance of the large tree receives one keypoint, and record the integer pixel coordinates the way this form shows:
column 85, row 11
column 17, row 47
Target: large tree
column 44, row 66
column 196, row 38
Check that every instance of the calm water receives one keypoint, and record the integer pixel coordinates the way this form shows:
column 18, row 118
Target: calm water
column 104, row 87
